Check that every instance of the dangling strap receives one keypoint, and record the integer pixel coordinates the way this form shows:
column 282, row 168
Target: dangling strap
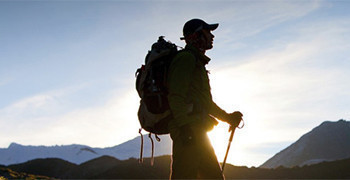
column 152, row 157
column 157, row 137
column 141, row 150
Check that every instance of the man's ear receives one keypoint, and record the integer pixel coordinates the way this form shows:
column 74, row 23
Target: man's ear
column 192, row 37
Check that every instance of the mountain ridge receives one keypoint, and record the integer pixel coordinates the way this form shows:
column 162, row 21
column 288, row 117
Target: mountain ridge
column 76, row 153
column 79, row 154
column 327, row 142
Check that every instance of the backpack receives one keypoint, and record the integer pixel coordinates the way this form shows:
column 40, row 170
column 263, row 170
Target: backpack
column 151, row 84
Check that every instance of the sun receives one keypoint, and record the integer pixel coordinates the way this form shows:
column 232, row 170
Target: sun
column 237, row 98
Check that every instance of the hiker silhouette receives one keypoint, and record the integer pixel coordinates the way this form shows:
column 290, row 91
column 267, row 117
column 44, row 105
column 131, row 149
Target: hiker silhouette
column 192, row 106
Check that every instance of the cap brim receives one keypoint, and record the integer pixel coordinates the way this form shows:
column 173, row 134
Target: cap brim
column 212, row 27
column 206, row 26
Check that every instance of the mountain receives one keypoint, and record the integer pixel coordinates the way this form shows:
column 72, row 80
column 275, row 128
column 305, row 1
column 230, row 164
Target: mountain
column 78, row 154
column 339, row 169
column 51, row 166
column 107, row 167
column 58, row 168
column 91, row 168
column 327, row 142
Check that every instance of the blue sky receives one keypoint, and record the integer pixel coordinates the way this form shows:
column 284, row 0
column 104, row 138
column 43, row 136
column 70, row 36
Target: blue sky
column 67, row 69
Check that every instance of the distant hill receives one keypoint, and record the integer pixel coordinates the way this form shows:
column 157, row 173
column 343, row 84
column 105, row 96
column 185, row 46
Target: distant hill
column 92, row 168
column 52, row 167
column 326, row 170
column 328, row 142
column 107, row 167
column 78, row 154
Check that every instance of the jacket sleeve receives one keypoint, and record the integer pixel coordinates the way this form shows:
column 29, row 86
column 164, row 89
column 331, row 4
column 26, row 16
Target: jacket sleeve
column 179, row 80
column 217, row 112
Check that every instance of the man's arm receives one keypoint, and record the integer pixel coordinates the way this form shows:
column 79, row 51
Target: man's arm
column 219, row 113
column 233, row 118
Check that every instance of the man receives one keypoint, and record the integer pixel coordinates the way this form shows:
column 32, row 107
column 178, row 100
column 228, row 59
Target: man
column 192, row 106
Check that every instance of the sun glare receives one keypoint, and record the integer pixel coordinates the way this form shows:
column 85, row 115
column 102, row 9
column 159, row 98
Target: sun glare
column 219, row 138
column 243, row 98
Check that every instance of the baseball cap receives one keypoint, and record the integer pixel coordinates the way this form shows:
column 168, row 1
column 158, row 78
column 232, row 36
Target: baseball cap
column 195, row 25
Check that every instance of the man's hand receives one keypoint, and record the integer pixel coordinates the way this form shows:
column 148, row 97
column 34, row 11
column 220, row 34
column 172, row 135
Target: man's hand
column 235, row 118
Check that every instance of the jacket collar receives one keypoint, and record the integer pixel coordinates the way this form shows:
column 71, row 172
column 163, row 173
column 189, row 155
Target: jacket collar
column 202, row 57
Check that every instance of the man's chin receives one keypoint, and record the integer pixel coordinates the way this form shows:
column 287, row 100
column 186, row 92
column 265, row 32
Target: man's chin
column 210, row 47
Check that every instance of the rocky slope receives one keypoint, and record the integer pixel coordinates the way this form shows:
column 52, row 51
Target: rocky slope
column 328, row 142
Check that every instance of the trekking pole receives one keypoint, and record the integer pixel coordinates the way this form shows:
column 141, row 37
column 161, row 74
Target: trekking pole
column 228, row 147
column 233, row 128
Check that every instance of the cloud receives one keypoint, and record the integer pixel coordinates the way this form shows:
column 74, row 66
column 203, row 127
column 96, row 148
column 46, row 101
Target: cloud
column 34, row 120
column 241, row 19
column 107, row 125
column 33, row 113
column 39, row 104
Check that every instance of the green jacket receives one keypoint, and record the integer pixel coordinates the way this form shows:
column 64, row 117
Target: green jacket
column 188, row 84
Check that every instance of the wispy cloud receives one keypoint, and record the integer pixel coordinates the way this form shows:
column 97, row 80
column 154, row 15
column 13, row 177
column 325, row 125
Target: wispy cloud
column 40, row 103
column 107, row 125
column 242, row 19
column 30, row 114
column 34, row 120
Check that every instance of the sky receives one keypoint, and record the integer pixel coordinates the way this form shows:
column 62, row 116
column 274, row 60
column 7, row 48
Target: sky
column 67, row 69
